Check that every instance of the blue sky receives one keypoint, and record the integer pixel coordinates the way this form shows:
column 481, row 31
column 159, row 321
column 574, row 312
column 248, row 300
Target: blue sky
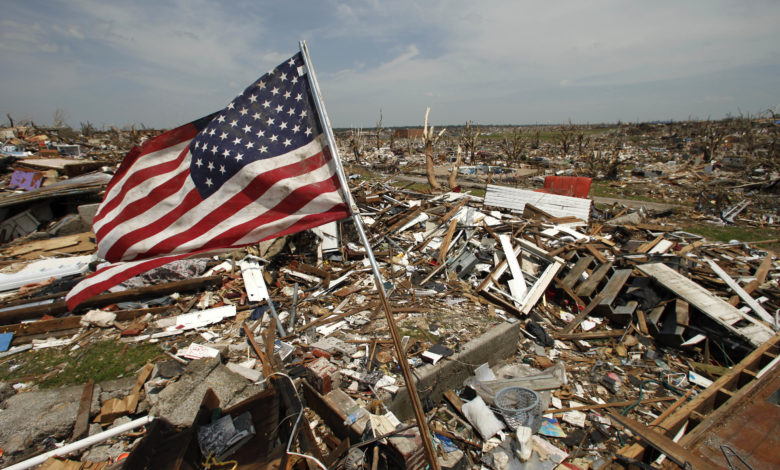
column 161, row 63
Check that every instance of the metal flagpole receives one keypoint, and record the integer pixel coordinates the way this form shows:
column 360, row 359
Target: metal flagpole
column 411, row 386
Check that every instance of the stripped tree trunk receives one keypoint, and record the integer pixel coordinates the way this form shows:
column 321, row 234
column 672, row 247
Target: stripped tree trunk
column 429, row 140
column 454, row 173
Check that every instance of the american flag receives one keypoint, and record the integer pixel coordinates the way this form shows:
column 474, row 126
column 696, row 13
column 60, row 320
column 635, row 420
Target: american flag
column 256, row 170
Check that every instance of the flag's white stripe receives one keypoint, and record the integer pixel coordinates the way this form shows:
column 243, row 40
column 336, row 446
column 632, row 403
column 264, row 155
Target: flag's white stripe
column 269, row 199
column 150, row 159
column 104, row 275
column 150, row 216
column 164, row 206
column 141, row 190
column 240, row 179
column 318, row 205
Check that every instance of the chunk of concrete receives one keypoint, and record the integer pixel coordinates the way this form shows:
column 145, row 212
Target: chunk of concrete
column 30, row 417
column 87, row 213
column 179, row 402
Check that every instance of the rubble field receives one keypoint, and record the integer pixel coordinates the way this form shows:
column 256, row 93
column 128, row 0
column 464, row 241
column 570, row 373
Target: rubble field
column 577, row 297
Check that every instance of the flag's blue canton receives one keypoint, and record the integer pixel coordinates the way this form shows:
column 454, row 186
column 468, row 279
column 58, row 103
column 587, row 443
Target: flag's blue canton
column 275, row 115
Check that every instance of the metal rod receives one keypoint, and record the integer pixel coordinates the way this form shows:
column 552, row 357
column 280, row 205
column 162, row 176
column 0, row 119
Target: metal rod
column 279, row 327
column 411, row 386
column 86, row 442
column 292, row 307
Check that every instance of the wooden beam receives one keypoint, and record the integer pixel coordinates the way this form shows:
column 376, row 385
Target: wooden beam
column 73, row 321
column 684, row 408
column 589, row 335
column 445, row 244
column 677, row 453
column 57, row 308
column 763, row 269
column 614, row 404
column 755, row 306
column 82, row 417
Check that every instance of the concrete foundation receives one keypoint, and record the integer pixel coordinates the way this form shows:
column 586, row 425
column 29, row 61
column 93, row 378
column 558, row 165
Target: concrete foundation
column 495, row 345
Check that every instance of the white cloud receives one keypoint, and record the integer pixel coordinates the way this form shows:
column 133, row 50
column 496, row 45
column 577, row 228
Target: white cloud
column 493, row 61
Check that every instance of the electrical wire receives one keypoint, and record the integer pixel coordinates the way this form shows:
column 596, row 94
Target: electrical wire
column 297, row 422
column 666, row 385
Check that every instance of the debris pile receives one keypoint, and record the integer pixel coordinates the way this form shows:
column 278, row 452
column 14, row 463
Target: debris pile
column 541, row 330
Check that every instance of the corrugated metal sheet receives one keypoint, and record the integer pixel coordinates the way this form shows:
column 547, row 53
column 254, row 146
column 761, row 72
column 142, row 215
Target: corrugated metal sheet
column 553, row 204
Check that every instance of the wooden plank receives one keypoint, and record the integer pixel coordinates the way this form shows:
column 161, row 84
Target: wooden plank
column 74, row 321
column 677, row 453
column 750, row 301
column 455, row 401
column 454, row 210
column 574, row 274
column 540, row 286
column 685, row 408
column 581, row 316
column 702, row 299
column 445, row 244
column 690, row 247
column 763, row 269
column 570, row 293
column 586, row 288
column 102, row 300
column 645, row 247
column 734, row 400
column 596, row 253
column 613, row 404
column 634, row 451
column 336, row 453
column 589, row 335
column 517, row 286
column 82, row 417
column 615, row 284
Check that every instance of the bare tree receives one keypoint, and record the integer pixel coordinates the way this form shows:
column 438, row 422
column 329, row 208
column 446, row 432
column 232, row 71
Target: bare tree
column 87, row 129
column 468, row 139
column 582, row 142
column 565, row 138
column 711, row 140
column 454, row 171
column 513, row 145
column 613, row 165
column 60, row 116
column 429, row 141
column 535, row 142
column 356, row 143
column 746, row 127
column 378, row 129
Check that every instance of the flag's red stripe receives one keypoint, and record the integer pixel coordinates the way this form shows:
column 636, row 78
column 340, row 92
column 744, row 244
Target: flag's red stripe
column 287, row 206
column 136, row 179
column 142, row 205
column 120, row 276
column 253, row 191
column 337, row 212
column 161, row 142
column 190, row 201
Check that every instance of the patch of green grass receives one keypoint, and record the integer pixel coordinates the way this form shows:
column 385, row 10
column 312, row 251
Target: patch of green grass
column 364, row 173
column 101, row 361
column 732, row 232
column 603, row 189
